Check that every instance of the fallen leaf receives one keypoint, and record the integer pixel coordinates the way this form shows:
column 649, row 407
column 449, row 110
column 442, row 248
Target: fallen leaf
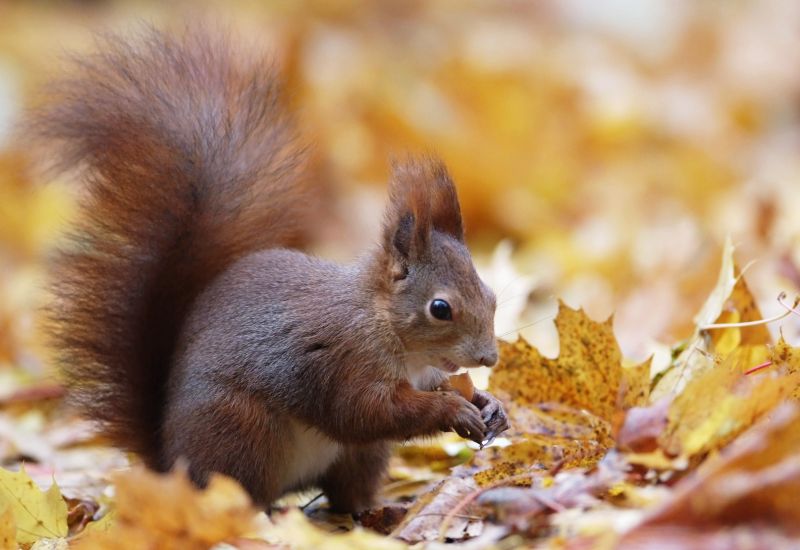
column 585, row 375
column 50, row 544
column 729, row 302
column 8, row 527
column 643, row 426
column 37, row 514
column 423, row 522
column 294, row 530
column 719, row 404
column 784, row 355
column 635, row 385
column 755, row 481
column 543, row 452
column 167, row 511
column 383, row 520
column 517, row 506
column 669, row 537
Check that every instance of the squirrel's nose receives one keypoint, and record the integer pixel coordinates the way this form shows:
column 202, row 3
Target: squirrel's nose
column 488, row 359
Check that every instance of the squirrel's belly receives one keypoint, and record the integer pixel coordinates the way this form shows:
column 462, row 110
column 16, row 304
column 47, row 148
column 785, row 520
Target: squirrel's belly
column 310, row 454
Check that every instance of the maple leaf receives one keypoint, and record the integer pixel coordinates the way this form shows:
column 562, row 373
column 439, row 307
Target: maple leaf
column 587, row 373
column 561, row 409
column 37, row 514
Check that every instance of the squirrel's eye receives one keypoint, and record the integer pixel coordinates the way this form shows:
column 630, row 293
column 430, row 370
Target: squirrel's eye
column 441, row 310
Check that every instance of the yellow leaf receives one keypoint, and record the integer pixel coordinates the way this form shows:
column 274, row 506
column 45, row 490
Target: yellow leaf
column 728, row 339
column 534, row 451
column 37, row 514
column 740, row 307
column 784, row 355
column 8, row 529
column 586, row 374
column 561, row 409
column 719, row 404
column 729, row 302
column 635, row 385
column 294, row 530
column 726, row 280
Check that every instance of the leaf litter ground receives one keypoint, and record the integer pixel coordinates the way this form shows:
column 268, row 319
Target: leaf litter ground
column 601, row 454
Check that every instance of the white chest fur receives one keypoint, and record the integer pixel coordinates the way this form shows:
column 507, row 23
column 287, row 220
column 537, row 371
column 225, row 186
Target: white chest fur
column 423, row 376
column 310, row 453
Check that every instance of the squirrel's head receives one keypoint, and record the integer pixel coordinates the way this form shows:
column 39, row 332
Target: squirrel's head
column 437, row 304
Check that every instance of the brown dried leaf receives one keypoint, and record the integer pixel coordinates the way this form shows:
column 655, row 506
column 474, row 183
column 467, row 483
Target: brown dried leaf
column 545, row 436
column 424, row 520
column 643, row 426
column 568, row 489
column 755, row 480
column 537, row 451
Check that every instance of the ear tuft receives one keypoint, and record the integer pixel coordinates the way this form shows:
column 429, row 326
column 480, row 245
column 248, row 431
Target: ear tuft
column 422, row 197
column 444, row 205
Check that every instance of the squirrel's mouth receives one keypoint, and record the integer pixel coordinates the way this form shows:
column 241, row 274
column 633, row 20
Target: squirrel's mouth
column 448, row 365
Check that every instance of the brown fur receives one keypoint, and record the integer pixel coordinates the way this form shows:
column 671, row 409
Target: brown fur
column 186, row 330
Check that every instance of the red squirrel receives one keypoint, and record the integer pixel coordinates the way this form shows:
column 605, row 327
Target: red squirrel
column 188, row 327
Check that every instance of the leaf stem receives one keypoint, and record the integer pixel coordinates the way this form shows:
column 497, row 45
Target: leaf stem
column 792, row 308
column 781, row 297
column 758, row 367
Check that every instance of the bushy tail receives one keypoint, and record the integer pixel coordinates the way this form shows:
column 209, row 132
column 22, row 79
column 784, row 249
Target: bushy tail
column 189, row 161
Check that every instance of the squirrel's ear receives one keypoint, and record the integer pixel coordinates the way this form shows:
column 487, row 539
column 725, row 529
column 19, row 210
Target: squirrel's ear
column 407, row 224
column 422, row 197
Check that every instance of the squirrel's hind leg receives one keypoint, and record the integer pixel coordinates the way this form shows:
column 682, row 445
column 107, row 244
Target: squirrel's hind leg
column 352, row 482
column 247, row 444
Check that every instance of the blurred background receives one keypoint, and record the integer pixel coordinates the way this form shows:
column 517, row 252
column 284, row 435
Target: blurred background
column 603, row 150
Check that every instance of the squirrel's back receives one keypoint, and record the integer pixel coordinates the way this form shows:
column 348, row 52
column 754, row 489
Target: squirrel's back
column 189, row 161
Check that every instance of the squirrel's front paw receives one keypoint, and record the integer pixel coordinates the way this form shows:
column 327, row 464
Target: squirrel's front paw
column 466, row 420
column 494, row 417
